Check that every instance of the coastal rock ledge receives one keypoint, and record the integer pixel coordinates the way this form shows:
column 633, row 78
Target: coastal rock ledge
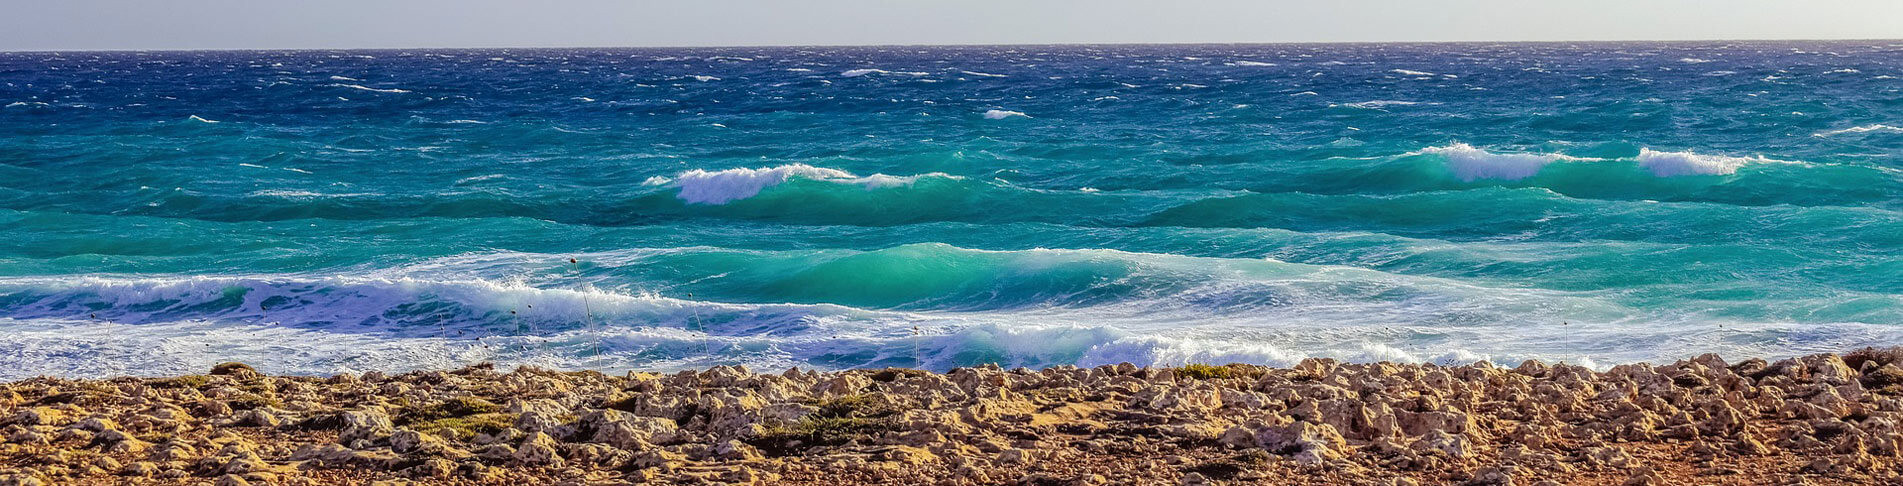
column 1821, row 419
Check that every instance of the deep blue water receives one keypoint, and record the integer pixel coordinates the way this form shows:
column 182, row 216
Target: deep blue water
column 317, row 211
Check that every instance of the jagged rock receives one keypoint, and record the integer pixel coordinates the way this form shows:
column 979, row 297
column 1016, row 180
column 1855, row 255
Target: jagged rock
column 37, row 416
column 538, row 450
column 369, row 424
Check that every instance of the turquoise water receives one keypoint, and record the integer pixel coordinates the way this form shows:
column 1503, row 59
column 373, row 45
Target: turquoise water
column 322, row 211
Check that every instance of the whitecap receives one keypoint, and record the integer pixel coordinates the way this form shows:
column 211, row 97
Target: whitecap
column 342, row 78
column 1469, row 163
column 367, row 88
column 982, row 75
column 1673, row 164
column 480, row 178
column 200, row 119
column 853, row 73
column 1250, row 63
column 1379, row 104
column 720, row 187
column 1409, row 72
column 1003, row 114
column 703, row 78
column 1881, row 128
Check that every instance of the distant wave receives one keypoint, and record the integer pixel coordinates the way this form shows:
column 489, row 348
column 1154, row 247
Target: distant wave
column 853, row 73
column 1878, row 128
column 1673, row 164
column 1003, row 114
column 1250, row 63
column 367, row 88
column 1379, row 104
column 200, row 119
column 982, row 75
column 1469, row 163
column 720, row 187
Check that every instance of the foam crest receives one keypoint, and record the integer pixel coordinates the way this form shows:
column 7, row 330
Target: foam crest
column 721, row 187
column 1469, row 163
column 367, row 88
column 1003, row 114
column 1874, row 128
column 1674, row 164
column 853, row 73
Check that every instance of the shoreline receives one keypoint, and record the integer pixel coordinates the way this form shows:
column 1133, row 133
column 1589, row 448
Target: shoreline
column 1819, row 419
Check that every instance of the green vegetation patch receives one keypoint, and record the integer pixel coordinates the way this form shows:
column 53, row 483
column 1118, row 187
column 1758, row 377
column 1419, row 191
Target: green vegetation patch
column 838, row 421
column 1229, row 467
column 1210, row 372
column 187, row 381
column 466, row 427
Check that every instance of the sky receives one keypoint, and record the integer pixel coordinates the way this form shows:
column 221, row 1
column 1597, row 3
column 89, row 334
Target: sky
column 280, row 24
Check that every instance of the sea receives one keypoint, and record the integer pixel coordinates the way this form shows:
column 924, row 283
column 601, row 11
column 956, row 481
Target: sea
column 314, row 212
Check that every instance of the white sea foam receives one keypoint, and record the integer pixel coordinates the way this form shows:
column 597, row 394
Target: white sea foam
column 1003, row 114
column 1879, row 128
column 343, row 78
column 1379, row 104
column 1409, row 72
column 1693, row 60
column 982, row 75
column 853, row 73
column 1673, row 164
column 480, row 178
column 434, row 314
column 1250, row 63
column 367, row 88
column 720, row 187
column 703, row 78
column 1470, row 164
column 200, row 119
column 297, row 194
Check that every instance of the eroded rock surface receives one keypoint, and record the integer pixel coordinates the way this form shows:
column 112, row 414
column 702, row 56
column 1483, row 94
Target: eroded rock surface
column 1822, row 419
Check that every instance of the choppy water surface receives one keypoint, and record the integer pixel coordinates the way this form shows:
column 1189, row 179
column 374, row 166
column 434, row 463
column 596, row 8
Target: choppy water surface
column 322, row 211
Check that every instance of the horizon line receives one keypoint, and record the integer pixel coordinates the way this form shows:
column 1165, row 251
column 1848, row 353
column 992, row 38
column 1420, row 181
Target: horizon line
column 1051, row 44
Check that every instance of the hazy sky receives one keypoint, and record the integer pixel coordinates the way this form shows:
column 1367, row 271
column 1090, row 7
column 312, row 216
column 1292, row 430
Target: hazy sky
column 204, row 24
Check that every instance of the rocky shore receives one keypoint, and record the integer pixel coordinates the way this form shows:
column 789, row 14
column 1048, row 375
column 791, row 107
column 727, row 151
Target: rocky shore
column 1822, row 419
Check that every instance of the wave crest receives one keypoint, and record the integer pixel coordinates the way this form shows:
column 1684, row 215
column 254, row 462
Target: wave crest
column 1674, row 164
column 1470, row 164
column 721, row 187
